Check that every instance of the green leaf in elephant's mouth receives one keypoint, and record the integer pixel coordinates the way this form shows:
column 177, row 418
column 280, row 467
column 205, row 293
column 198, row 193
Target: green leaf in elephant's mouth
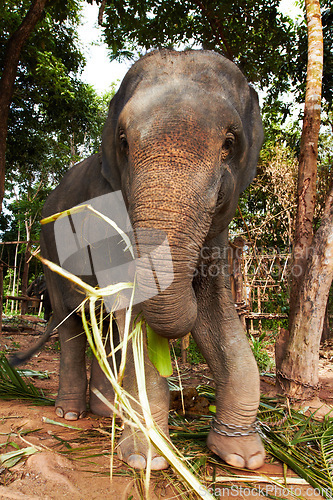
column 159, row 352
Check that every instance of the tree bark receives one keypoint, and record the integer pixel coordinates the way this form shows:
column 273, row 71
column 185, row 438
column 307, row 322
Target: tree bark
column 312, row 260
column 298, row 371
column 307, row 172
column 11, row 61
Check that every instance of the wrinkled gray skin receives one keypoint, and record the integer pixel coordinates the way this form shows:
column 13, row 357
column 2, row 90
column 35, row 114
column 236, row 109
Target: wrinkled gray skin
column 181, row 142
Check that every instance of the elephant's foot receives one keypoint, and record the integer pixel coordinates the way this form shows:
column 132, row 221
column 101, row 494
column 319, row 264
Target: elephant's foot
column 132, row 449
column 100, row 383
column 243, row 451
column 96, row 404
column 70, row 407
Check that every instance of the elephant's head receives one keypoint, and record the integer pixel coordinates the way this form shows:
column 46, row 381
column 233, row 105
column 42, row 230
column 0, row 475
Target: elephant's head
column 181, row 141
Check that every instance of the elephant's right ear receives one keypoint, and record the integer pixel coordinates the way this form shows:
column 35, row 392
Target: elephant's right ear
column 110, row 167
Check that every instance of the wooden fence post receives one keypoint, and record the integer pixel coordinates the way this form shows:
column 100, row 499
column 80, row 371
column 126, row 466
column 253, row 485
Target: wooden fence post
column 237, row 276
column 1, row 294
column 184, row 343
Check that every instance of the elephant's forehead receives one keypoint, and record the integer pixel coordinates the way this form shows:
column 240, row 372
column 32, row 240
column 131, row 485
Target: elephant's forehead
column 205, row 68
column 174, row 101
column 150, row 93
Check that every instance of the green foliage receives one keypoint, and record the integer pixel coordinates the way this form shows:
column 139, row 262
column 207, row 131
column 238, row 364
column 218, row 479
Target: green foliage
column 258, row 346
column 25, row 208
column 11, row 458
column 55, row 119
column 52, row 72
column 298, row 77
column 13, row 386
column 194, row 356
column 238, row 29
column 22, row 212
column 302, row 443
column 266, row 209
column 269, row 47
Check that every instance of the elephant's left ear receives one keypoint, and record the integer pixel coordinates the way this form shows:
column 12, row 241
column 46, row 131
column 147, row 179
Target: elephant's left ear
column 255, row 133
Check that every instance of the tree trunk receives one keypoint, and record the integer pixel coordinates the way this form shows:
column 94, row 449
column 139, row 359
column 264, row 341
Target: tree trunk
column 11, row 61
column 298, row 374
column 307, row 172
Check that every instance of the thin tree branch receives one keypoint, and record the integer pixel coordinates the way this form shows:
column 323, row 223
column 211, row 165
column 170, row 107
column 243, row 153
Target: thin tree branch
column 216, row 29
column 101, row 12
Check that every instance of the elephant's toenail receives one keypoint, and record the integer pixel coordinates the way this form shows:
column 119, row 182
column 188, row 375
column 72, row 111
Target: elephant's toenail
column 136, row 461
column 256, row 461
column 235, row 460
column 159, row 463
column 59, row 412
column 71, row 415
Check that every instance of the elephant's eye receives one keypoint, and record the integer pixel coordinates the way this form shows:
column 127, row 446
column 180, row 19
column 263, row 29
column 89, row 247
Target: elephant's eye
column 228, row 143
column 123, row 141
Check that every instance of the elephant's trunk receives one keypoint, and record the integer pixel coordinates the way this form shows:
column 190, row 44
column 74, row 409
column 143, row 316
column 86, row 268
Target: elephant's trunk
column 172, row 314
column 169, row 247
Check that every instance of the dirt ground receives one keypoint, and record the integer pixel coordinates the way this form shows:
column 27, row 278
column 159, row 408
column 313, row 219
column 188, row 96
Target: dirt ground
column 75, row 463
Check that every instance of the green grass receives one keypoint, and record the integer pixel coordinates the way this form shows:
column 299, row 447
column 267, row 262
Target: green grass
column 15, row 386
column 299, row 441
column 258, row 346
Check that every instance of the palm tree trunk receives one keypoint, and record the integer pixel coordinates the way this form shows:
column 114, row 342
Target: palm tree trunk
column 307, row 173
column 298, row 373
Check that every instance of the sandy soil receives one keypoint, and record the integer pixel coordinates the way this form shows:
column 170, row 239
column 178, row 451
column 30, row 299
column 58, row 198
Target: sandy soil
column 75, row 464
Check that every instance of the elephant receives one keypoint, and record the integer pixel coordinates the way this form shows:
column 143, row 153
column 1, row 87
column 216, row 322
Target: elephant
column 181, row 142
column 38, row 289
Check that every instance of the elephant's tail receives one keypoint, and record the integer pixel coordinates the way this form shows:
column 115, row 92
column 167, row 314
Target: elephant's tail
column 19, row 358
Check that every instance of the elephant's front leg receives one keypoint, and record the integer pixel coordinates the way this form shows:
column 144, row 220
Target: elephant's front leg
column 133, row 446
column 71, row 399
column 98, row 380
column 222, row 341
